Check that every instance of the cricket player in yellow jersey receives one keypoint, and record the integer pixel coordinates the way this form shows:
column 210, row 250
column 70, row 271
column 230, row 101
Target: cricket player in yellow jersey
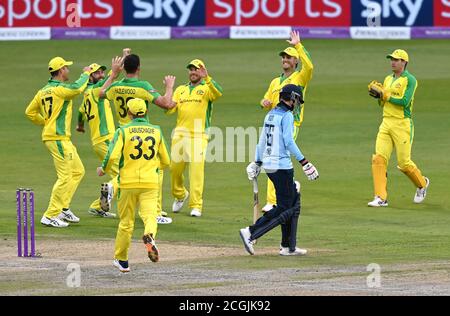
column 292, row 74
column 140, row 150
column 194, row 104
column 51, row 107
column 97, row 111
column 396, row 97
column 131, row 87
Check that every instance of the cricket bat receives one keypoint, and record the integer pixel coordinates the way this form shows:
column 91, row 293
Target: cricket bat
column 255, row 201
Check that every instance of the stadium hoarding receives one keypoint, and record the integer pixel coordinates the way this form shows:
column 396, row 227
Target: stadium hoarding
column 200, row 32
column 442, row 13
column 80, row 33
column 25, row 33
column 323, row 32
column 381, row 33
column 140, row 32
column 392, row 13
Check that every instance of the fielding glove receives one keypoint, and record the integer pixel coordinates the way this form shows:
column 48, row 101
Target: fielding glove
column 376, row 90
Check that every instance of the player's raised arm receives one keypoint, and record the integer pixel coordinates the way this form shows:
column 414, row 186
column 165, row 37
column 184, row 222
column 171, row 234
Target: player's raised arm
column 116, row 68
column 70, row 91
column 305, row 57
column 165, row 101
column 215, row 90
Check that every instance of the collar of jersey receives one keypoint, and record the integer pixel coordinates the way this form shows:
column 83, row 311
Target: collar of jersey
column 140, row 120
column 201, row 84
column 130, row 79
column 52, row 81
column 404, row 74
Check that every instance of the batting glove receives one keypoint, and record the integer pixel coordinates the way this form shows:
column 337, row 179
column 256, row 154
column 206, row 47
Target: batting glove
column 253, row 170
column 310, row 171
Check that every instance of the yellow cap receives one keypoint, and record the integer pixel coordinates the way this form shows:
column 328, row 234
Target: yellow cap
column 137, row 107
column 95, row 67
column 290, row 51
column 57, row 63
column 399, row 54
column 197, row 63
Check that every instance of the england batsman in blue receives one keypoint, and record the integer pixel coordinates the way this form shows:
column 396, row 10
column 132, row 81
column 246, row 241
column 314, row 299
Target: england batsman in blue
column 273, row 153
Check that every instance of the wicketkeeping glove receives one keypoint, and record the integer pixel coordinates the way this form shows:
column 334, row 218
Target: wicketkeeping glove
column 376, row 90
column 253, row 170
column 310, row 171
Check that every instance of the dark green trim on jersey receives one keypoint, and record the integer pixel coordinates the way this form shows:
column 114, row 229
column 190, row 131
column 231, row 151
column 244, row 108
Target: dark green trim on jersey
column 61, row 120
column 111, row 148
column 77, row 84
column 60, row 148
column 208, row 115
column 408, row 98
column 217, row 86
column 136, row 83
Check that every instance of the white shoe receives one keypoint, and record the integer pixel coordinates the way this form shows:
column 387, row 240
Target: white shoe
column 196, row 212
column 421, row 193
column 106, row 195
column 161, row 220
column 378, row 202
column 297, row 186
column 68, row 216
column 53, row 222
column 245, row 236
column 267, row 207
column 163, row 213
column 297, row 252
column 121, row 265
column 178, row 204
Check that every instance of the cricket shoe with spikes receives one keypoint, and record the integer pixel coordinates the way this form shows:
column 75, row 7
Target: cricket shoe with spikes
column 152, row 250
column 106, row 195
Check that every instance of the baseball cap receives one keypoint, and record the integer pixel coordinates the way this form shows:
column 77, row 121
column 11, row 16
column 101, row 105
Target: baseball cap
column 290, row 51
column 399, row 54
column 137, row 106
column 197, row 63
column 95, row 67
column 57, row 63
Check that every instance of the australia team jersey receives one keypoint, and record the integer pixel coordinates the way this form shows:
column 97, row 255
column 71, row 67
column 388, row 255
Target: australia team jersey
column 141, row 151
column 120, row 92
column 98, row 113
column 401, row 102
column 52, row 107
column 194, row 107
column 300, row 78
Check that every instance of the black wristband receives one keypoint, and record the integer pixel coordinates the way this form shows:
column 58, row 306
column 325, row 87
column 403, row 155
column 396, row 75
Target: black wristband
column 259, row 163
column 304, row 161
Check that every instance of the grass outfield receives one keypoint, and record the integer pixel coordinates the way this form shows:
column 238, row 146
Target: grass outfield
column 338, row 135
